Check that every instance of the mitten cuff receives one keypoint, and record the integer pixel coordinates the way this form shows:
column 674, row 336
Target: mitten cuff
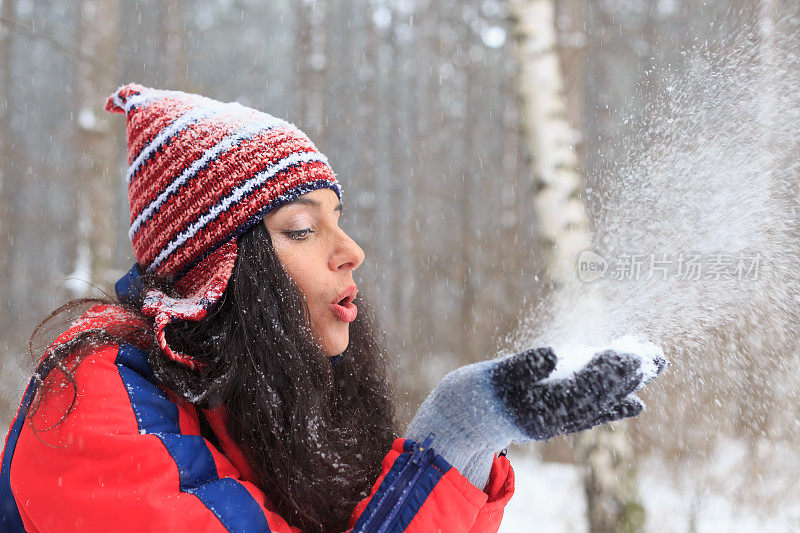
column 479, row 467
column 468, row 421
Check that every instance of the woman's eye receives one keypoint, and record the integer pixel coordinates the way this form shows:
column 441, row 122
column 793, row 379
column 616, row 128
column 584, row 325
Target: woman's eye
column 299, row 234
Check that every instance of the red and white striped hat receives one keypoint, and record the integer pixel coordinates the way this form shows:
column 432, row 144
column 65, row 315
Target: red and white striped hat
column 201, row 172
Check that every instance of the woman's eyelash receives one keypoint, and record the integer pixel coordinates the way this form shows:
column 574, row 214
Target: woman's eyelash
column 299, row 234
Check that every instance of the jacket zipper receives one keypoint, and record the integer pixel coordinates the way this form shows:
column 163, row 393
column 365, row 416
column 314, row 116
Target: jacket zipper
column 406, row 491
column 400, row 488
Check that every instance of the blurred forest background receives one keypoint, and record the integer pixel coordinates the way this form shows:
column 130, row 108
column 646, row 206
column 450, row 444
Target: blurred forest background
column 419, row 107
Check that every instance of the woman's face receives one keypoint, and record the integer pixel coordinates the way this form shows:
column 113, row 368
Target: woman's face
column 320, row 258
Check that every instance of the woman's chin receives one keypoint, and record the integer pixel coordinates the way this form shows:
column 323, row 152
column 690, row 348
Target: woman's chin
column 336, row 342
column 334, row 351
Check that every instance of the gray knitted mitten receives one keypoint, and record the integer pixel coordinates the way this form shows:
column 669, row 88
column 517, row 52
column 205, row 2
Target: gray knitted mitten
column 479, row 409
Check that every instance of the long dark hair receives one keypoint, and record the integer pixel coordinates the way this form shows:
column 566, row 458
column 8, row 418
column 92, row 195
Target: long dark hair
column 314, row 435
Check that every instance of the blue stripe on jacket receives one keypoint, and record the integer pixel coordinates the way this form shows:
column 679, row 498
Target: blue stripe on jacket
column 10, row 519
column 157, row 415
column 409, row 498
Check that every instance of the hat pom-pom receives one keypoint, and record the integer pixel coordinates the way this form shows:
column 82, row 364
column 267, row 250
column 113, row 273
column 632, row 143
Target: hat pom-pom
column 117, row 102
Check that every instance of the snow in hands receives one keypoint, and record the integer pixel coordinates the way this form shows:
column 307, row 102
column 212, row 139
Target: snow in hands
column 548, row 395
column 572, row 357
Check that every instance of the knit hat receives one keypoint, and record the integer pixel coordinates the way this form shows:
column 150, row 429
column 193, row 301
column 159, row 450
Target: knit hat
column 202, row 172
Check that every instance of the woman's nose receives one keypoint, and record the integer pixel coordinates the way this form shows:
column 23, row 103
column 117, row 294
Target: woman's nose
column 348, row 254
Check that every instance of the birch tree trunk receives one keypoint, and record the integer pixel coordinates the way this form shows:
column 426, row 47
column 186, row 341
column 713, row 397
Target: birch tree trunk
column 609, row 480
column 95, row 171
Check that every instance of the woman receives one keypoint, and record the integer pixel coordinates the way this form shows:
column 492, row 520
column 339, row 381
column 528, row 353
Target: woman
column 233, row 385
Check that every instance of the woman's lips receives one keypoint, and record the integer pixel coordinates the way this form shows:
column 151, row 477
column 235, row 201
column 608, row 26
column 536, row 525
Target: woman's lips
column 346, row 312
column 343, row 306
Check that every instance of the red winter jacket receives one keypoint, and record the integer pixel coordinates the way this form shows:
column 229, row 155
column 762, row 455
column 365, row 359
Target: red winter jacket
column 130, row 457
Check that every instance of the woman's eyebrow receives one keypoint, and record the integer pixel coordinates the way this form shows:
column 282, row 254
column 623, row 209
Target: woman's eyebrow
column 314, row 203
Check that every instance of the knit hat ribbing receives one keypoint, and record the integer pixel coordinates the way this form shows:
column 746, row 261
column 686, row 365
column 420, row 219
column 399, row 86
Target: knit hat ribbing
column 202, row 172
